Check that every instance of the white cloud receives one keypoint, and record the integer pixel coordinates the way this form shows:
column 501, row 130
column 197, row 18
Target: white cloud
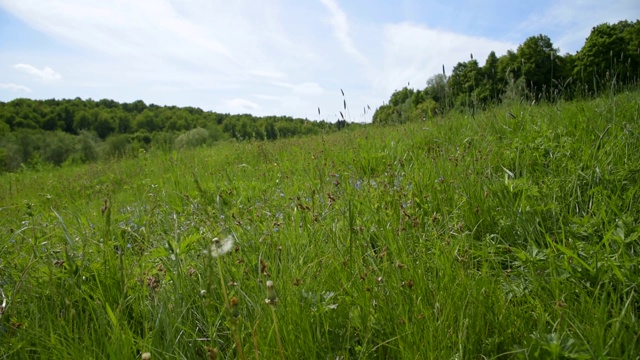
column 413, row 53
column 242, row 104
column 15, row 87
column 267, row 74
column 268, row 97
column 305, row 88
column 340, row 26
column 46, row 74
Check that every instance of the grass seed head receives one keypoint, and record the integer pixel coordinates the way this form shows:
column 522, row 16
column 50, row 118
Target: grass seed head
column 212, row 353
column 233, row 304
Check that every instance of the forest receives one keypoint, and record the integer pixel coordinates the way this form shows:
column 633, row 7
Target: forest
column 609, row 61
column 36, row 133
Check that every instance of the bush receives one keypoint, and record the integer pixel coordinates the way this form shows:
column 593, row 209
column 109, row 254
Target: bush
column 87, row 149
column 192, row 138
column 57, row 146
column 116, row 146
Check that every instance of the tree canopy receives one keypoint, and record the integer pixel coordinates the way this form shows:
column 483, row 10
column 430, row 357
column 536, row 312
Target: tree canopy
column 54, row 131
column 535, row 71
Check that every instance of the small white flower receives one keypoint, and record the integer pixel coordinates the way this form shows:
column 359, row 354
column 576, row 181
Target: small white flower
column 221, row 247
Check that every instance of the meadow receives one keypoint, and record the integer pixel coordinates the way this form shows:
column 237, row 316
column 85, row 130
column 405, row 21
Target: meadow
column 512, row 233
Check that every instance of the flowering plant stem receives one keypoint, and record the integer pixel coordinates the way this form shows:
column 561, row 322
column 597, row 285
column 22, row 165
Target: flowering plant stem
column 275, row 325
column 234, row 327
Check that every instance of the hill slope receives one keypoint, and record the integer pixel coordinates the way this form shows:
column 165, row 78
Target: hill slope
column 514, row 233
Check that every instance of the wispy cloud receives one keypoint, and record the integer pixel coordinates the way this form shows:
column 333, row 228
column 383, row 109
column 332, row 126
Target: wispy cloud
column 267, row 74
column 308, row 88
column 413, row 53
column 46, row 74
column 15, row 87
column 340, row 25
column 243, row 104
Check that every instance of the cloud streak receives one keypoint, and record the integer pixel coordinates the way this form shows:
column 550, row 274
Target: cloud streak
column 243, row 104
column 15, row 87
column 340, row 25
column 46, row 74
column 414, row 53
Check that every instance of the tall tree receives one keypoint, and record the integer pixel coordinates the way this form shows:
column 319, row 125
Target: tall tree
column 537, row 56
column 437, row 89
column 607, row 53
column 491, row 74
column 465, row 78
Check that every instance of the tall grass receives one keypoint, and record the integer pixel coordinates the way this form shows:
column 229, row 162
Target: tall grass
column 511, row 235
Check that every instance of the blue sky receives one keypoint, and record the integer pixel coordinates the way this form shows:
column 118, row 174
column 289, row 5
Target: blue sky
column 276, row 57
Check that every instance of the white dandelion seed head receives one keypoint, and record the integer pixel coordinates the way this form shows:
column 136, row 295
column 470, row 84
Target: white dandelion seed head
column 272, row 298
column 221, row 247
column 4, row 303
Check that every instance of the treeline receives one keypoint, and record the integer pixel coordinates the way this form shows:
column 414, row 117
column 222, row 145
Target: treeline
column 36, row 132
column 608, row 61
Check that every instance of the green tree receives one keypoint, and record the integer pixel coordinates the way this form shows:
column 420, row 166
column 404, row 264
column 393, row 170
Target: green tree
column 84, row 120
column 65, row 116
column 270, row 130
column 104, row 126
column 437, row 89
column 509, row 68
column 385, row 114
column 608, row 52
column 491, row 74
column 136, row 107
column 147, row 121
column 537, row 56
column 465, row 78
column 400, row 97
column 123, row 122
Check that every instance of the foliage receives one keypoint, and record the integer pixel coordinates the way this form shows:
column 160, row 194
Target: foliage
column 610, row 53
column 609, row 61
column 122, row 129
column 192, row 138
column 538, row 56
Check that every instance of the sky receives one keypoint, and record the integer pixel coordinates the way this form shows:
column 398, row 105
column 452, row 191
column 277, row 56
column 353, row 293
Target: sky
column 269, row 57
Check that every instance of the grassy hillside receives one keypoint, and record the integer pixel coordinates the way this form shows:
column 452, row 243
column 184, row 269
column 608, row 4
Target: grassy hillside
column 511, row 234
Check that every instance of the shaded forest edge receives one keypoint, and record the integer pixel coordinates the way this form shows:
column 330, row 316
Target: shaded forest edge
column 37, row 133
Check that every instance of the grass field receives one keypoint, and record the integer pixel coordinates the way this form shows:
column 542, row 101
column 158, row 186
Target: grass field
column 514, row 234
